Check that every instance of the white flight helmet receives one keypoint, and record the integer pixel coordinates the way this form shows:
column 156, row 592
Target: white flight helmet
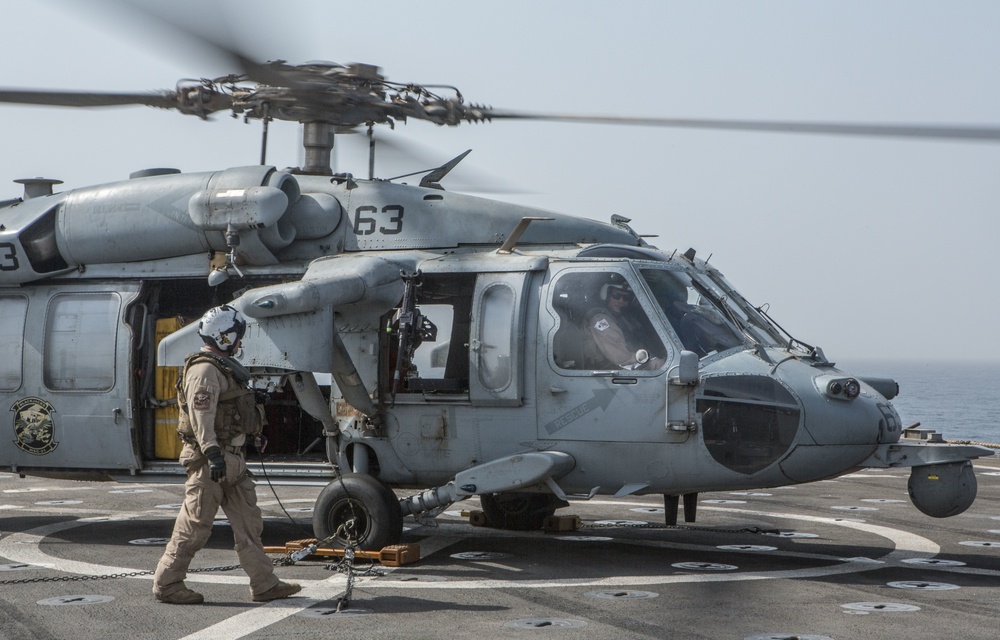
column 222, row 327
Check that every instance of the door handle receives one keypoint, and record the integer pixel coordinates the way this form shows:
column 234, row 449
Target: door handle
column 556, row 390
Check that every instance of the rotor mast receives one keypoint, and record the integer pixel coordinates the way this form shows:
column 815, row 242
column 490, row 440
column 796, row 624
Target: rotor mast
column 317, row 140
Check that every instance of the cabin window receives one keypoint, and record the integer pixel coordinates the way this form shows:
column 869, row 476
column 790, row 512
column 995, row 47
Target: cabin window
column 439, row 363
column 495, row 344
column 430, row 358
column 13, row 310
column 80, row 337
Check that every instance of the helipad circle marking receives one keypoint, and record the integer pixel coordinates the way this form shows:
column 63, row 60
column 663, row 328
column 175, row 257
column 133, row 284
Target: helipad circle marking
column 787, row 636
column 331, row 612
column 746, row 547
column 127, row 491
column 150, row 542
column 862, row 559
column 29, row 490
column 921, row 584
column 172, row 505
column 301, row 510
column 75, row 600
column 993, row 531
column 545, row 623
column 880, row 607
column 584, row 538
column 648, row 510
column 622, row 594
column 937, row 562
column 395, row 577
column 882, row 500
column 621, row 523
column 25, row 547
column 57, row 503
column 480, row 555
column 979, row 543
column 854, row 508
column 6, row 476
column 22, row 567
column 103, row 519
column 221, row 522
column 792, row 535
column 723, row 501
column 704, row 566
column 751, row 494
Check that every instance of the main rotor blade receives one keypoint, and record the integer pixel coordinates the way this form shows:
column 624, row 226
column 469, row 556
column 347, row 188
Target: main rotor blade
column 204, row 26
column 164, row 99
column 941, row 132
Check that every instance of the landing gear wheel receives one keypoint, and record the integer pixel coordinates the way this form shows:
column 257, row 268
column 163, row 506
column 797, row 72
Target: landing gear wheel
column 358, row 508
column 517, row 511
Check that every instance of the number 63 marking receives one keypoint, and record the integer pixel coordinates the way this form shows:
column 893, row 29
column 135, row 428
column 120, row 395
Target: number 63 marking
column 365, row 225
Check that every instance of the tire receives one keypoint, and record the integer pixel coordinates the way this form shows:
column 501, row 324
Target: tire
column 517, row 511
column 372, row 506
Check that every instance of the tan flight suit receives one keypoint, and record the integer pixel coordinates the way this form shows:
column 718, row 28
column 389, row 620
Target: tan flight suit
column 612, row 341
column 204, row 381
column 608, row 347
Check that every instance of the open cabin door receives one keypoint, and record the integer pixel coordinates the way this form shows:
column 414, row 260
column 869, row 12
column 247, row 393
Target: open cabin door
column 65, row 378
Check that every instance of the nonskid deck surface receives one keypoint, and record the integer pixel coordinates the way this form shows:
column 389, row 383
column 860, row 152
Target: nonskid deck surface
column 848, row 558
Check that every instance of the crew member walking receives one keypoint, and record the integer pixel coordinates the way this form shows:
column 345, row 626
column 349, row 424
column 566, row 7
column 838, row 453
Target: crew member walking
column 217, row 413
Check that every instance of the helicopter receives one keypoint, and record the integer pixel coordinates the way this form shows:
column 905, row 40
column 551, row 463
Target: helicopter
column 413, row 338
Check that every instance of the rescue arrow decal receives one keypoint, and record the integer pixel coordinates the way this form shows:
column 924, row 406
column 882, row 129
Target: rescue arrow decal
column 601, row 399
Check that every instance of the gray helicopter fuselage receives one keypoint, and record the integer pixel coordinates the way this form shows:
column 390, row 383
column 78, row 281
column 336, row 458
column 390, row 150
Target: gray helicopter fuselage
column 461, row 336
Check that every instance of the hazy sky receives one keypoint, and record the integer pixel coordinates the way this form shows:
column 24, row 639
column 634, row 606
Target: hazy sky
column 869, row 248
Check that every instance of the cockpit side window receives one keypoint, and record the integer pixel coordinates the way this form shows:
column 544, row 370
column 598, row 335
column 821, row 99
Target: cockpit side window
column 602, row 325
column 700, row 325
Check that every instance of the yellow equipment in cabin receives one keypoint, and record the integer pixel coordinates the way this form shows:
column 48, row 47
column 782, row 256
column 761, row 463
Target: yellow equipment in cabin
column 168, row 443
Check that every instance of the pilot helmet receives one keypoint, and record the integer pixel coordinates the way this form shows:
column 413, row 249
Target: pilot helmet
column 615, row 283
column 222, row 327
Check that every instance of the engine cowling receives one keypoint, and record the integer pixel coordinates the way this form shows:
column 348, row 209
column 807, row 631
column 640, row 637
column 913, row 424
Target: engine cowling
column 942, row 490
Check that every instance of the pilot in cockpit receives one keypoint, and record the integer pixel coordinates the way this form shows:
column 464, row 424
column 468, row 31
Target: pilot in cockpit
column 617, row 339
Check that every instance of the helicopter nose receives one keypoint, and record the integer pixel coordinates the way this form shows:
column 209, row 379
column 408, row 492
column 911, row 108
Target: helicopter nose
column 790, row 422
column 843, row 422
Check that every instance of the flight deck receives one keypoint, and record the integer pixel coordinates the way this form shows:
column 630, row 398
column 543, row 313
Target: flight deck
column 844, row 558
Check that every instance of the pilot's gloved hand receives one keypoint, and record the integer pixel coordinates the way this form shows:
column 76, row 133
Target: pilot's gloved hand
column 216, row 463
column 653, row 364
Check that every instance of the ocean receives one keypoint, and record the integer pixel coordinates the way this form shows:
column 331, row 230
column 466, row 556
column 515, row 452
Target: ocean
column 961, row 400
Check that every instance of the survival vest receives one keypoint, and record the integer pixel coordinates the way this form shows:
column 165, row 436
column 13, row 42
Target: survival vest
column 237, row 411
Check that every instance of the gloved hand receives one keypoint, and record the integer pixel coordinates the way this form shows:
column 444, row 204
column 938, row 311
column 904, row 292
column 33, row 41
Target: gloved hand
column 216, row 463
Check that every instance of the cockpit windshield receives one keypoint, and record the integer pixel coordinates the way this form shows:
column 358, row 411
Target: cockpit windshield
column 758, row 326
column 699, row 318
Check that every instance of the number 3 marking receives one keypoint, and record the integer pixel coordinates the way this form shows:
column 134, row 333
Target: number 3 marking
column 397, row 219
column 8, row 257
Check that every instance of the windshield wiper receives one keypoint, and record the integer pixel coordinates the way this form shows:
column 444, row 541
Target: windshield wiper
column 792, row 340
column 721, row 302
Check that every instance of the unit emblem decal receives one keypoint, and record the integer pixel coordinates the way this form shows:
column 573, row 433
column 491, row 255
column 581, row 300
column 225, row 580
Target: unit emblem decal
column 34, row 426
